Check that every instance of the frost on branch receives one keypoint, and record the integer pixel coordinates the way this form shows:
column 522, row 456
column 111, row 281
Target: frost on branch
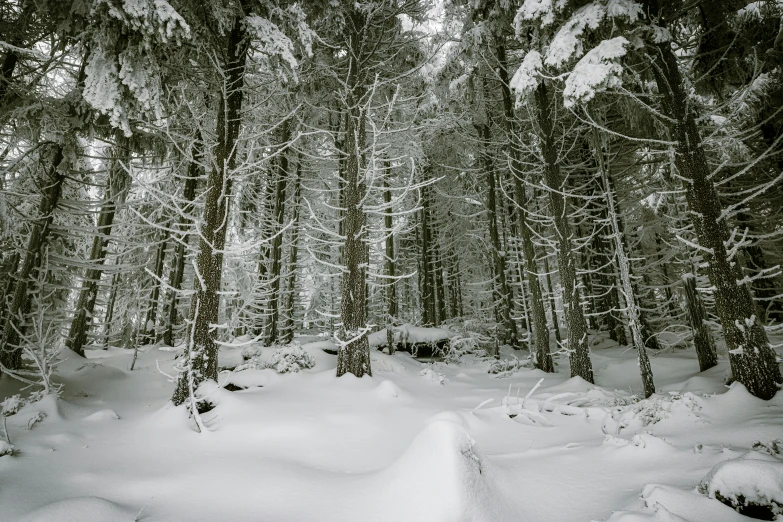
column 541, row 10
column 272, row 40
column 598, row 70
column 525, row 80
column 567, row 42
column 150, row 17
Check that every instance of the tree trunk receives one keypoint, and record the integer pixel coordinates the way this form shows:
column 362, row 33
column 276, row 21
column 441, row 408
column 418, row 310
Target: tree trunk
column 697, row 315
column 354, row 353
column 290, row 294
column 116, row 185
column 502, row 296
column 276, row 245
column 178, row 266
column 631, row 305
column 578, row 346
column 426, row 283
column 552, row 304
column 201, row 351
column 752, row 358
column 51, row 187
column 391, row 266
column 540, row 330
column 148, row 329
column 10, row 267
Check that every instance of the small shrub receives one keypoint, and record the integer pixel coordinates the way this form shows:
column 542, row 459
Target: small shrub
column 286, row 359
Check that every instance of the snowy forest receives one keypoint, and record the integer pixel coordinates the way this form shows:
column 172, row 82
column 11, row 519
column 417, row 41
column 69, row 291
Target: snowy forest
column 391, row 260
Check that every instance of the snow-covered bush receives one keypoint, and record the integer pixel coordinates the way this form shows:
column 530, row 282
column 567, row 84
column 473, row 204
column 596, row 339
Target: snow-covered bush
column 505, row 367
column 752, row 485
column 654, row 409
column 286, row 359
column 251, row 351
column 291, row 359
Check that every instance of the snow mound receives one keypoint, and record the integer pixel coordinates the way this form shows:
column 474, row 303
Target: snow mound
column 101, row 415
column 5, row 448
column 387, row 390
column 252, row 378
column 80, row 509
column 432, row 375
column 442, row 476
column 687, row 505
column 751, row 484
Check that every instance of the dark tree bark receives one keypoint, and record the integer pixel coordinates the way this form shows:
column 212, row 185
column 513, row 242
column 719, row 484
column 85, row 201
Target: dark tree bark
column 540, row 330
column 427, row 285
column 697, row 315
column 116, row 184
column 10, row 267
column 502, row 296
column 391, row 266
column 149, row 328
column 574, row 315
column 276, row 244
column 752, row 358
column 354, row 354
column 181, row 238
column 287, row 334
column 51, row 188
column 201, row 351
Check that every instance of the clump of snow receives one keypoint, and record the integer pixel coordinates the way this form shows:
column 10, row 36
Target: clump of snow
column 567, row 42
column 432, row 375
column 286, row 359
column 654, row 409
column 747, row 484
column 291, row 359
column 598, row 70
column 252, row 351
column 541, row 10
column 505, row 367
column 273, row 41
column 525, row 80
column 6, row 448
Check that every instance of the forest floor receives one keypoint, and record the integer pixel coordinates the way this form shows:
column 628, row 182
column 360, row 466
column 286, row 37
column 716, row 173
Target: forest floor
column 418, row 441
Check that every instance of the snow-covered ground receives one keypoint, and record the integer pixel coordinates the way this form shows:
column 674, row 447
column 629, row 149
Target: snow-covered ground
column 416, row 442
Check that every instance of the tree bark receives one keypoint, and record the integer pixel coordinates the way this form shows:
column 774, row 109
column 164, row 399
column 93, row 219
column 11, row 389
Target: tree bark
column 290, row 294
column 148, row 330
column 502, row 297
column 201, row 351
column 751, row 356
column 540, row 337
column 276, row 245
column 354, row 353
column 578, row 346
column 51, row 189
column 177, row 272
column 116, row 184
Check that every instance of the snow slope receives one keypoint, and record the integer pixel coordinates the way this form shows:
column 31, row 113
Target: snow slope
column 397, row 446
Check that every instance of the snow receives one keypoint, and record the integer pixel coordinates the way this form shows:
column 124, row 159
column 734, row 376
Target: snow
column 749, row 480
column 567, row 42
column 454, row 443
column 598, row 70
column 78, row 510
column 525, row 80
column 541, row 10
